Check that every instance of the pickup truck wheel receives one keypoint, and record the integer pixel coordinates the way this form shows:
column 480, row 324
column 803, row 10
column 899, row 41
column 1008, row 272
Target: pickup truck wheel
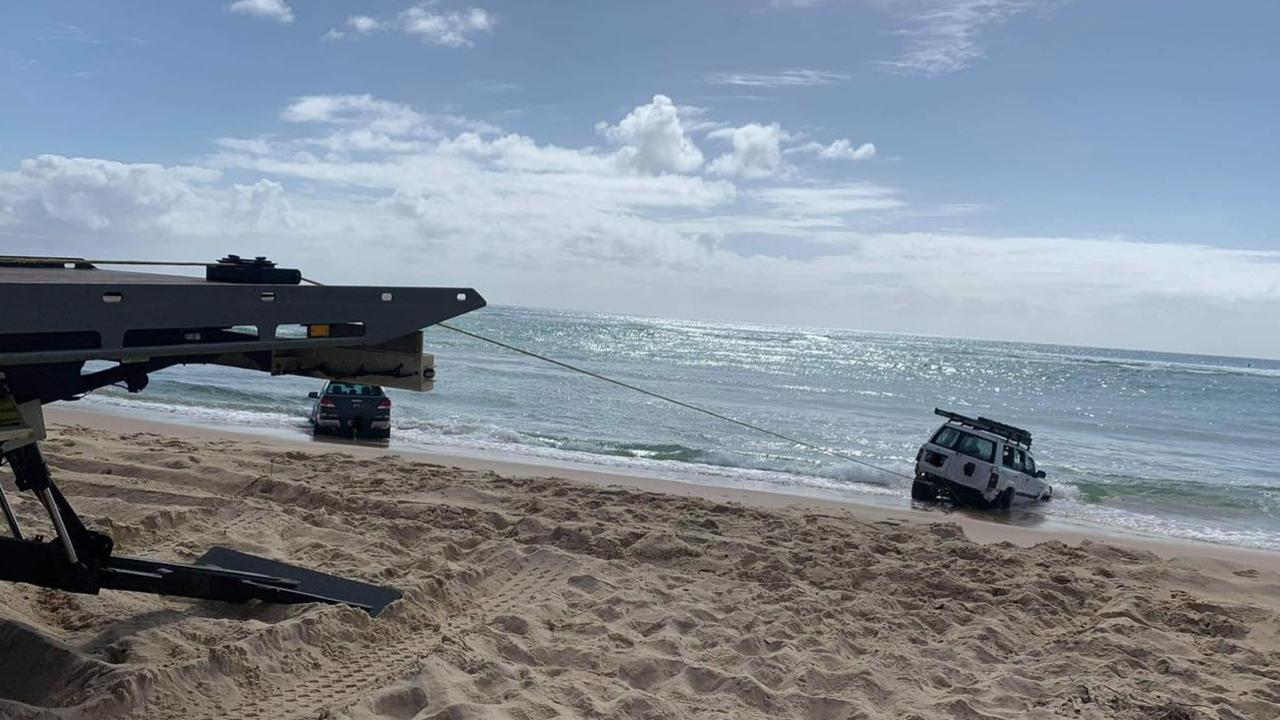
column 1005, row 501
column 923, row 491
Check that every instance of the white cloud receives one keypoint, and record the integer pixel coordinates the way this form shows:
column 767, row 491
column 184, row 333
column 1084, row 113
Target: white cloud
column 277, row 10
column 840, row 149
column 942, row 35
column 86, row 196
column 787, row 78
column 827, row 200
column 697, row 119
column 756, row 153
column 365, row 111
column 451, row 28
column 254, row 146
column 363, row 23
column 653, row 139
column 1076, row 274
column 261, row 205
column 359, row 25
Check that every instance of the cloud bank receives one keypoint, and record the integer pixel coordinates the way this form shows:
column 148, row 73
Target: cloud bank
column 728, row 221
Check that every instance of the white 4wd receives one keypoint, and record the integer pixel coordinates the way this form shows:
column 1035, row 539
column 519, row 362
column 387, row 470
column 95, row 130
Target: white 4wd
column 978, row 462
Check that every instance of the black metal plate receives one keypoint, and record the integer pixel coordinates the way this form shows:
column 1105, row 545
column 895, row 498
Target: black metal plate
column 350, row 592
column 76, row 302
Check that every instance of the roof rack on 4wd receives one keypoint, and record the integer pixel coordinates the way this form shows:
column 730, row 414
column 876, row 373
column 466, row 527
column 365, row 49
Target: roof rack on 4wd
column 996, row 427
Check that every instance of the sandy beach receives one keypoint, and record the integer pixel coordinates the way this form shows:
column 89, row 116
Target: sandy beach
column 604, row 596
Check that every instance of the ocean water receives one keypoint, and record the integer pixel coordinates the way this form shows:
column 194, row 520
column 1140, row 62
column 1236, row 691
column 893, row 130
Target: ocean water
column 1160, row 444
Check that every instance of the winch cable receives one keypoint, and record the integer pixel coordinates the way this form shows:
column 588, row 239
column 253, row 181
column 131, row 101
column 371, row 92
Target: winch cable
column 589, row 373
column 673, row 401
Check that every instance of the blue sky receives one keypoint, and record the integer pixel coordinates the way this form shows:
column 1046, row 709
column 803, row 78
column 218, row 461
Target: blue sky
column 1086, row 172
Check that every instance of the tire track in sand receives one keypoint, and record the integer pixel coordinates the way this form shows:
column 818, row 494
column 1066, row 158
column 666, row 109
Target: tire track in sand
column 342, row 682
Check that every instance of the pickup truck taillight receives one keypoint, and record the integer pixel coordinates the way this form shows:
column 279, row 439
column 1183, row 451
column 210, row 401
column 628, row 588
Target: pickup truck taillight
column 327, row 403
column 384, row 404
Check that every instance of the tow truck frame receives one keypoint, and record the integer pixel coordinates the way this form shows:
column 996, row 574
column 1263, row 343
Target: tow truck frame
column 58, row 314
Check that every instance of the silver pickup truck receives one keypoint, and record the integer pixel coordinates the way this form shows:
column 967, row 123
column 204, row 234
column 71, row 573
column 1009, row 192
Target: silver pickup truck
column 352, row 409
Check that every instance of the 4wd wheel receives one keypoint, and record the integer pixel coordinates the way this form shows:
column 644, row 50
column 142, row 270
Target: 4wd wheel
column 923, row 491
column 1005, row 500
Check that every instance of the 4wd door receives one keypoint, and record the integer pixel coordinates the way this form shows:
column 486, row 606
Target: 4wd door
column 1022, row 479
column 1014, row 464
column 1035, row 485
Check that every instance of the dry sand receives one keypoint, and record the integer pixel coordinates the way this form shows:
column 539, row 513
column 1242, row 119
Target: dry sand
column 537, row 597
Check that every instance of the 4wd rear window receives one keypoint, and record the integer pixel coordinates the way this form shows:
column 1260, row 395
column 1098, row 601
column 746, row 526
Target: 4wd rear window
column 341, row 388
column 965, row 444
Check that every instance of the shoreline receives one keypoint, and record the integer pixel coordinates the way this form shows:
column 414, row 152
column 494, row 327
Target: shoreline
column 979, row 530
